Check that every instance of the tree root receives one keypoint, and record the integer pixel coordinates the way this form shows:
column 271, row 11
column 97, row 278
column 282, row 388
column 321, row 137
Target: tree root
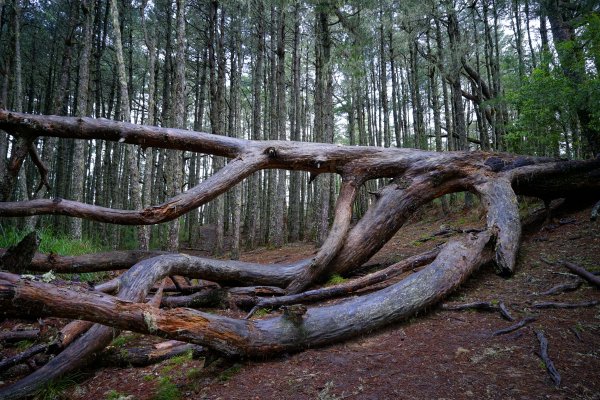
column 514, row 327
column 481, row 306
column 552, row 371
column 554, row 304
column 564, row 287
column 588, row 276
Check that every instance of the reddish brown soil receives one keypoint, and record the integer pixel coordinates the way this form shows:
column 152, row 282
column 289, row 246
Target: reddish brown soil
column 437, row 355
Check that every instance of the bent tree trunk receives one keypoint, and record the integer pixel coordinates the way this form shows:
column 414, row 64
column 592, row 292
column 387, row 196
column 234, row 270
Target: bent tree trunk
column 415, row 178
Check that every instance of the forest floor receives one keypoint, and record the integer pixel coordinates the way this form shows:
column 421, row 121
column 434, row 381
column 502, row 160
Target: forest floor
column 438, row 355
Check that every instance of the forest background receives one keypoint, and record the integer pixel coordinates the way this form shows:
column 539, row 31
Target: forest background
column 520, row 76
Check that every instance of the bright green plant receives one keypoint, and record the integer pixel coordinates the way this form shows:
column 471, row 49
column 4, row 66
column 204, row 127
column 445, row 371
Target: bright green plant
column 166, row 390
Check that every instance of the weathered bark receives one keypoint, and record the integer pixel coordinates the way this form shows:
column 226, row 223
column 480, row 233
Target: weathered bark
column 18, row 257
column 318, row 326
column 350, row 287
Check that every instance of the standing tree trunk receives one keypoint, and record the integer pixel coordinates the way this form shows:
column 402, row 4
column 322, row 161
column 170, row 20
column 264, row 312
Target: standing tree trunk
column 82, row 108
column 149, row 39
column 257, row 80
column 179, row 119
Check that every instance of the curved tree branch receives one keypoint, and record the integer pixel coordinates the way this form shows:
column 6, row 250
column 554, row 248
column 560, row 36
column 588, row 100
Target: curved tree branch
column 220, row 182
column 318, row 326
column 319, row 265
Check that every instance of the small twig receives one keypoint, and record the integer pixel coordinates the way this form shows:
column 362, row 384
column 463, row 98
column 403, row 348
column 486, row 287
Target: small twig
column 547, row 261
column 565, row 287
column 585, row 274
column 504, row 312
column 544, row 356
column 576, row 333
column 24, row 356
column 514, row 327
column 478, row 305
column 554, row 304
column 43, row 170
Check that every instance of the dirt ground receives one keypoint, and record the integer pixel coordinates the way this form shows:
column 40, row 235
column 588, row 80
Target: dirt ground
column 437, row 355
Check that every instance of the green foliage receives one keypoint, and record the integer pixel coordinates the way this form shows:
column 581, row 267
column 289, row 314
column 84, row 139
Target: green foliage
column 115, row 395
column 335, row 279
column 50, row 242
column 545, row 113
column 121, row 340
column 54, row 389
column 261, row 312
column 23, row 345
column 166, row 390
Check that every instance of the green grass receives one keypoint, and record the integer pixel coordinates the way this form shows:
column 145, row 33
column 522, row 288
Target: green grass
column 261, row 312
column 54, row 389
column 50, row 242
column 166, row 390
column 335, row 279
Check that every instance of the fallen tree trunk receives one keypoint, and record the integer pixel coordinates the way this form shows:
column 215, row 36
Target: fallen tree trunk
column 320, row 325
column 417, row 177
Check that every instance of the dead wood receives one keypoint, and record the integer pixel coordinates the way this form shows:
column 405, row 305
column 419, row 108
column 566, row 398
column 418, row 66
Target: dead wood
column 347, row 288
column 320, row 325
column 18, row 257
column 585, row 274
column 514, row 327
column 10, row 362
column 97, row 262
column 417, row 177
column 148, row 355
column 563, row 287
column 552, row 371
column 18, row 335
column 554, row 304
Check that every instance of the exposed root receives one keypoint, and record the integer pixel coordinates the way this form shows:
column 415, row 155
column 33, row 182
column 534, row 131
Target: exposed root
column 514, row 327
column 588, row 276
column 554, row 375
column 554, row 304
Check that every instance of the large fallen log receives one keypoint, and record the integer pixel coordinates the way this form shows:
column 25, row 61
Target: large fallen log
column 318, row 326
column 417, row 177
